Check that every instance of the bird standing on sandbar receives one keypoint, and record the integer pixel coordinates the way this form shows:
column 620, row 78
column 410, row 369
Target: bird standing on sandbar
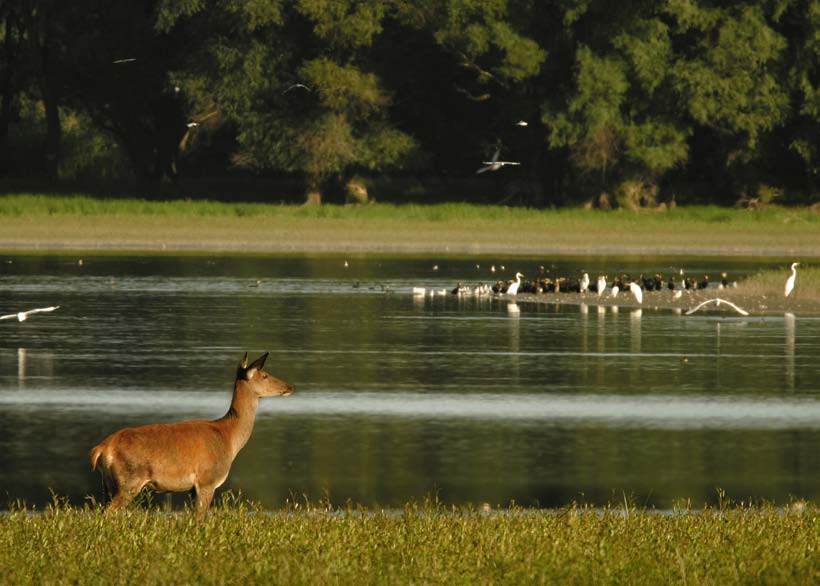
column 513, row 288
column 636, row 290
column 790, row 281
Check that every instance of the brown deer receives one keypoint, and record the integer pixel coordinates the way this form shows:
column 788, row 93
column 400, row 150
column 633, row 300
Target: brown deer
column 178, row 457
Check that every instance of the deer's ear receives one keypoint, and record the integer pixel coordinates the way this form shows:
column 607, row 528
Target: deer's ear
column 259, row 362
column 241, row 370
column 250, row 371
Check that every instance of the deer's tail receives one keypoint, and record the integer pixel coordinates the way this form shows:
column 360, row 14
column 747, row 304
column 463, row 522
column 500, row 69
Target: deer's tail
column 96, row 452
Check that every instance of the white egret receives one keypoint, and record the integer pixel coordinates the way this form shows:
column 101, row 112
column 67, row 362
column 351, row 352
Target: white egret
column 636, row 290
column 614, row 291
column 297, row 85
column 513, row 288
column 419, row 291
column 23, row 315
column 601, row 285
column 494, row 164
column 522, row 123
column 584, row 283
column 717, row 302
column 790, row 281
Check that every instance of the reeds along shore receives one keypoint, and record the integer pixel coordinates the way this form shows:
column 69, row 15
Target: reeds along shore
column 426, row 543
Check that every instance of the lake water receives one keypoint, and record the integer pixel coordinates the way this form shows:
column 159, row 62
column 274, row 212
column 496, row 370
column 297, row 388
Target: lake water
column 400, row 397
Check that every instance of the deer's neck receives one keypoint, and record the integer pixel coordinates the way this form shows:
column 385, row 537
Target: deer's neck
column 238, row 421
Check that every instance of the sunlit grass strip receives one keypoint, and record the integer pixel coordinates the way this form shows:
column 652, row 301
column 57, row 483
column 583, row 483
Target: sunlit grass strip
column 429, row 544
column 20, row 205
column 81, row 223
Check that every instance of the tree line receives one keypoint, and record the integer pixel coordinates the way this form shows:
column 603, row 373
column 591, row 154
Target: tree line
column 629, row 102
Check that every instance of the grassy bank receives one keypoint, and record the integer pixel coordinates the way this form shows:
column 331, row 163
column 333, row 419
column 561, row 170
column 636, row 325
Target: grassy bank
column 78, row 222
column 428, row 545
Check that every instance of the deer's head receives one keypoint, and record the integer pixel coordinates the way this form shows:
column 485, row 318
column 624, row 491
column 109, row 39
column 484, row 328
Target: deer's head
column 260, row 382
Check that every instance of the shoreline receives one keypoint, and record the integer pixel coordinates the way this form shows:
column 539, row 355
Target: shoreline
column 398, row 248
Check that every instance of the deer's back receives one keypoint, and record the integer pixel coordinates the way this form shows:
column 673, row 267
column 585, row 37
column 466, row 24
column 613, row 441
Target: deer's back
column 170, row 454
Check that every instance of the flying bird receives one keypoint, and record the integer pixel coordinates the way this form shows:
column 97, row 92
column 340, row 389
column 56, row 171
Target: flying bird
column 717, row 301
column 295, row 86
column 494, row 164
column 23, row 315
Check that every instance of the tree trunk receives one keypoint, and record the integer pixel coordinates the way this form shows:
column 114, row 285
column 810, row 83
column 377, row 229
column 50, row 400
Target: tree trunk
column 313, row 193
column 313, row 197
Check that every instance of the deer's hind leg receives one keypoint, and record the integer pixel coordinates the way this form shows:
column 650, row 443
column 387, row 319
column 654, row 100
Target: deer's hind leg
column 126, row 488
column 204, row 496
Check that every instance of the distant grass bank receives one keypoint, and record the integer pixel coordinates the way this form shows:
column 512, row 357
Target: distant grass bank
column 78, row 222
column 427, row 545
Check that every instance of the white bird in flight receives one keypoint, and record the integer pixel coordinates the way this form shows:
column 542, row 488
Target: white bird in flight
column 790, row 281
column 494, row 164
column 717, row 301
column 23, row 315
column 297, row 85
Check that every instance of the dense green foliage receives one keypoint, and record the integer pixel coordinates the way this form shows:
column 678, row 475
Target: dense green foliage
column 626, row 103
column 428, row 544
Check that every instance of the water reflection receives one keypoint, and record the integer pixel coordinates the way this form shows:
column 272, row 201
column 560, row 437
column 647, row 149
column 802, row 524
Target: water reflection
column 788, row 319
column 398, row 394
column 635, row 330
column 21, row 365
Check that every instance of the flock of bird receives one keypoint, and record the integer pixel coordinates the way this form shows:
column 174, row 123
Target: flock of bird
column 544, row 284
column 636, row 286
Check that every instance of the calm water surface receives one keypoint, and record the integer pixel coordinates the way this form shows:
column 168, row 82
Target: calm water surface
column 399, row 397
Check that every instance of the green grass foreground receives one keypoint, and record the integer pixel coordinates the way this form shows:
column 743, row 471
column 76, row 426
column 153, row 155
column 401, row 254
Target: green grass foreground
column 30, row 221
column 420, row 545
